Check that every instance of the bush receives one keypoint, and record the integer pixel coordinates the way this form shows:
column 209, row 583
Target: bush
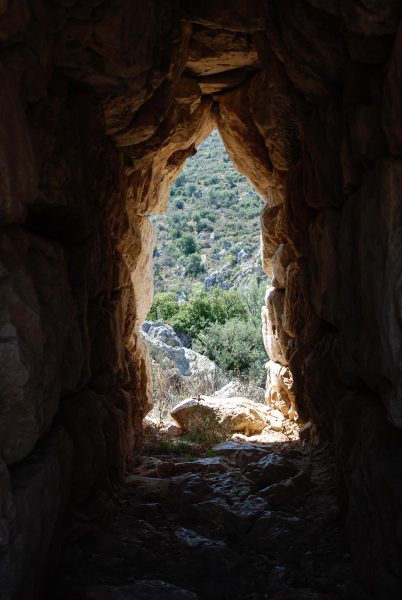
column 176, row 233
column 180, row 181
column 164, row 307
column 237, row 347
column 188, row 244
column 194, row 265
column 204, row 308
column 190, row 189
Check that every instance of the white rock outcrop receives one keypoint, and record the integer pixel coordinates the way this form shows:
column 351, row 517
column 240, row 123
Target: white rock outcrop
column 233, row 414
column 162, row 339
column 238, row 388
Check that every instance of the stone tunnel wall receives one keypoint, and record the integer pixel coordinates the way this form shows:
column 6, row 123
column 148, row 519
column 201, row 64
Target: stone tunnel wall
column 101, row 102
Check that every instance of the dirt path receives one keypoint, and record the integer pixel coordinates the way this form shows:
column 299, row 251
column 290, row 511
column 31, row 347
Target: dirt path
column 245, row 522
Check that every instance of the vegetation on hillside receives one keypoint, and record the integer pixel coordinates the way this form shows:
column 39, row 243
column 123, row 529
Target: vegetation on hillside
column 212, row 222
column 208, row 275
column 225, row 325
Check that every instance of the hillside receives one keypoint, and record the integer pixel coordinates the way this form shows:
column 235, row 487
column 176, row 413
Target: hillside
column 210, row 233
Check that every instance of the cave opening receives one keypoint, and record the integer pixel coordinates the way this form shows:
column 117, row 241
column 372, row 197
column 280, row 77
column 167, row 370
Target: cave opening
column 204, row 331
column 100, row 105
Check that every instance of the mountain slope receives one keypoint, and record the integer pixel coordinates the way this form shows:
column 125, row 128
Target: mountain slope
column 210, row 233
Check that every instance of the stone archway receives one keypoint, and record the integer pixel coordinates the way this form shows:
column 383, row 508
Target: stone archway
column 101, row 104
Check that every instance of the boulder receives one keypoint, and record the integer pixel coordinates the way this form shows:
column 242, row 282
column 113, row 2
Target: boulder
column 168, row 351
column 162, row 427
column 271, row 469
column 140, row 590
column 278, row 494
column 240, row 454
column 231, row 414
column 170, row 429
column 161, row 332
column 279, row 530
column 213, row 464
column 237, row 388
column 280, row 391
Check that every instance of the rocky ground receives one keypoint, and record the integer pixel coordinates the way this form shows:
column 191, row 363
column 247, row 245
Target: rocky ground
column 238, row 521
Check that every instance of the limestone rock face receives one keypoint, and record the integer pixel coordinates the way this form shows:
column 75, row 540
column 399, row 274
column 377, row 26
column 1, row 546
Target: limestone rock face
column 162, row 339
column 101, row 103
column 281, row 259
column 275, row 337
column 238, row 388
column 280, row 392
column 235, row 124
column 213, row 51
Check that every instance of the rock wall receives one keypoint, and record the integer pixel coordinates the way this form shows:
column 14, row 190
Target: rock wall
column 101, row 103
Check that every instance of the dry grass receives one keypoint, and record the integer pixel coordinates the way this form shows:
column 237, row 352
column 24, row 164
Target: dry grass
column 169, row 388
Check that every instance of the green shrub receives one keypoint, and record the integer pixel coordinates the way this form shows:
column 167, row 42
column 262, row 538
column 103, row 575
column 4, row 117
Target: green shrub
column 194, row 265
column 176, row 233
column 190, row 189
column 180, row 181
column 236, row 346
column 188, row 244
column 164, row 307
column 206, row 307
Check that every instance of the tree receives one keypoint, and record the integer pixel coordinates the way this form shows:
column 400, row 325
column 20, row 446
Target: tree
column 164, row 307
column 236, row 346
column 190, row 189
column 194, row 265
column 188, row 244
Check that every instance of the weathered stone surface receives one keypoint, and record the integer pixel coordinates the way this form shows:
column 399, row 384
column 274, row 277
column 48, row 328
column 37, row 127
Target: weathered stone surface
column 325, row 288
column 239, row 16
column 295, row 307
column 370, row 325
column 272, row 230
column 37, row 325
column 7, row 508
column 378, row 18
column 280, row 390
column 85, row 417
column 156, row 164
column 322, row 159
column 162, row 338
column 18, row 176
column 279, row 494
column 280, row 261
column 239, row 454
column 211, row 84
column 362, row 430
column 141, row 590
column 40, row 486
column 275, row 119
column 270, row 528
column 235, row 124
column 213, row 51
column 231, row 414
column 274, row 336
column 238, row 388
column 270, row 469
column 391, row 112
